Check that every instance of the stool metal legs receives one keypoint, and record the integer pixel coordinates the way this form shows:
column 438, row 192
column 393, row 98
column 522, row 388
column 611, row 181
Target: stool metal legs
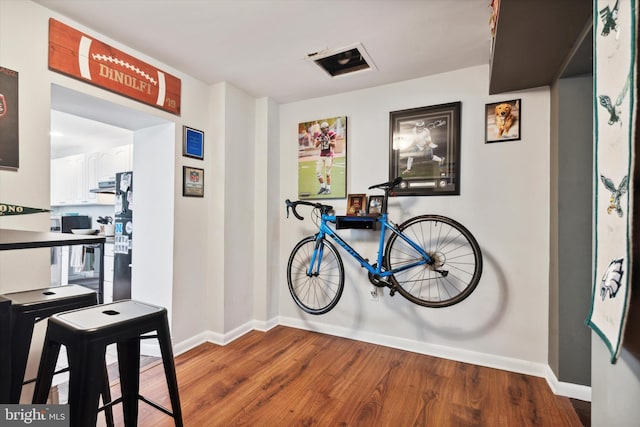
column 84, row 389
column 20, row 343
column 86, row 333
column 170, row 371
column 129, row 365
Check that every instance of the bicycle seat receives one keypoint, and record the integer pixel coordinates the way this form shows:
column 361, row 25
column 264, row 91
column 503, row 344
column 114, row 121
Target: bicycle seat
column 386, row 186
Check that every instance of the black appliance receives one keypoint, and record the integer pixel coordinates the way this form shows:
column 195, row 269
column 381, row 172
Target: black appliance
column 71, row 222
column 123, row 234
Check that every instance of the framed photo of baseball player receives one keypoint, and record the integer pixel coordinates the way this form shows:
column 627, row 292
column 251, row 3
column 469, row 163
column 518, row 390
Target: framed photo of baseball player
column 424, row 149
column 322, row 158
column 502, row 121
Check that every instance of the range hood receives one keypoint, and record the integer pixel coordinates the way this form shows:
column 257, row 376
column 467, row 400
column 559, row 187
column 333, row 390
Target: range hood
column 105, row 185
column 104, row 190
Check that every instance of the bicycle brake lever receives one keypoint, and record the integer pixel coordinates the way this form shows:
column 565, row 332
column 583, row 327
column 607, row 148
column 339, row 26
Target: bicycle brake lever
column 287, row 203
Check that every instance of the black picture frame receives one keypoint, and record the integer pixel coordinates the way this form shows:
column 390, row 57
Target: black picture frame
column 502, row 121
column 9, row 124
column 375, row 205
column 424, row 149
column 192, row 143
column 192, row 182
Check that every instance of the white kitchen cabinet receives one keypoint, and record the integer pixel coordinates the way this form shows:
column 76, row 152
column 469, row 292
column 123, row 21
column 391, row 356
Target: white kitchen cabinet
column 67, row 179
column 115, row 160
column 92, row 171
column 72, row 177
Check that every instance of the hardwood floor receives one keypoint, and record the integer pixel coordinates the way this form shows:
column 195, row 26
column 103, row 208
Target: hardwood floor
column 290, row 377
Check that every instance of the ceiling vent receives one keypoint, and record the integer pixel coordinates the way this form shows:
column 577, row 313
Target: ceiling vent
column 343, row 61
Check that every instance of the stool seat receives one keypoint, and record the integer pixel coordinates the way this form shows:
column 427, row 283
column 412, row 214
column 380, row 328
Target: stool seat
column 29, row 307
column 86, row 333
column 50, row 298
column 110, row 319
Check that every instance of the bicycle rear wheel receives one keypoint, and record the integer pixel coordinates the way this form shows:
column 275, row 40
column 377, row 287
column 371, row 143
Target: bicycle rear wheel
column 319, row 292
column 457, row 261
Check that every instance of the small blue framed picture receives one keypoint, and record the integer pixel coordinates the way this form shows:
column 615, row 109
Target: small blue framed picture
column 193, row 143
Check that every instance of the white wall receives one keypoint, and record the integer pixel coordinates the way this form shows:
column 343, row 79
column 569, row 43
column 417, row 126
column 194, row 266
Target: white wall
column 615, row 388
column 266, row 220
column 20, row 51
column 504, row 202
column 153, row 217
column 24, row 48
column 239, row 207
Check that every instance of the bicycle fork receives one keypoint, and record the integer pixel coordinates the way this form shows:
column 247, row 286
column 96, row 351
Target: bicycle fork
column 316, row 257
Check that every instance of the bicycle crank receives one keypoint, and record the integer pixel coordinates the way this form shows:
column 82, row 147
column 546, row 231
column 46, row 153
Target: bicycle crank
column 375, row 279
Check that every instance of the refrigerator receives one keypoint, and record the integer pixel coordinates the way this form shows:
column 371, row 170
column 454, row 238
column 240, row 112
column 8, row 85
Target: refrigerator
column 123, row 236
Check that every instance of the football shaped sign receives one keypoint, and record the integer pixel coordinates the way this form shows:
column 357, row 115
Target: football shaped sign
column 78, row 55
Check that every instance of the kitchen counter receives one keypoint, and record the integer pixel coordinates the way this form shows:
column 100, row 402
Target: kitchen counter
column 21, row 239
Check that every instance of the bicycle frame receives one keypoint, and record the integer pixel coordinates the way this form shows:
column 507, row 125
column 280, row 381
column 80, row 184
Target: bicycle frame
column 377, row 271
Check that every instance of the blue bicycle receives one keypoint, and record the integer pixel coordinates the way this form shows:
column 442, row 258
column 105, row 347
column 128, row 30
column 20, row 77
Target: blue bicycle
column 431, row 260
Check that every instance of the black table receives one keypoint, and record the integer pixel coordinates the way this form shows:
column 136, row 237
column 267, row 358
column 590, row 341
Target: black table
column 21, row 239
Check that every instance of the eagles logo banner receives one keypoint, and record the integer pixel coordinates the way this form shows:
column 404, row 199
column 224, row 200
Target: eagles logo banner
column 615, row 27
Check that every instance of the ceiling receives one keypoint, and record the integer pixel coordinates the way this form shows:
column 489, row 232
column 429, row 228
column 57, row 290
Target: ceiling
column 262, row 46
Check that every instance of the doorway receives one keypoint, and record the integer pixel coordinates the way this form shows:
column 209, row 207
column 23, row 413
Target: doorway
column 153, row 154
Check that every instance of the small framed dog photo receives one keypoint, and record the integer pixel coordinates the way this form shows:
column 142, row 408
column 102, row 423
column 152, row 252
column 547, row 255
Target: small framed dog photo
column 502, row 121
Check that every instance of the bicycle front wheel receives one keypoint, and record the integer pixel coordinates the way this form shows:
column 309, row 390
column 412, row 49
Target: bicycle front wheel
column 318, row 290
column 456, row 261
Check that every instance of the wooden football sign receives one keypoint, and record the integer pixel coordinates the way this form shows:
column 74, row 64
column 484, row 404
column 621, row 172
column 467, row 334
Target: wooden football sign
column 78, row 55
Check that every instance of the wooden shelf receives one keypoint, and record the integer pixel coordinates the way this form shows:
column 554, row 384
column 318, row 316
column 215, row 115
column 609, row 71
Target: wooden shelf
column 534, row 40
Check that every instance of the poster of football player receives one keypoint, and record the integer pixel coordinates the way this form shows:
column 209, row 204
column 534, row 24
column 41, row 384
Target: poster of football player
column 8, row 119
column 425, row 150
column 322, row 158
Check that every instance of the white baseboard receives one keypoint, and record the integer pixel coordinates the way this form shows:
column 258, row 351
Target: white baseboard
column 482, row 359
column 226, row 338
column 575, row 391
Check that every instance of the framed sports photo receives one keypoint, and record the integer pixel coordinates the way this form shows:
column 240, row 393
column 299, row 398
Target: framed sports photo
column 424, row 149
column 192, row 182
column 193, row 143
column 356, row 204
column 322, row 158
column 502, row 121
column 375, row 205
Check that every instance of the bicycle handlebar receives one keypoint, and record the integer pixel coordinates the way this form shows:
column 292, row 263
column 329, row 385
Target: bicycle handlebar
column 386, row 186
column 293, row 205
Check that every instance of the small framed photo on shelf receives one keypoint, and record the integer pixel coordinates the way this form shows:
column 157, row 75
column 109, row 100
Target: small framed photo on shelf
column 192, row 143
column 375, row 205
column 502, row 121
column 356, row 204
column 192, row 182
